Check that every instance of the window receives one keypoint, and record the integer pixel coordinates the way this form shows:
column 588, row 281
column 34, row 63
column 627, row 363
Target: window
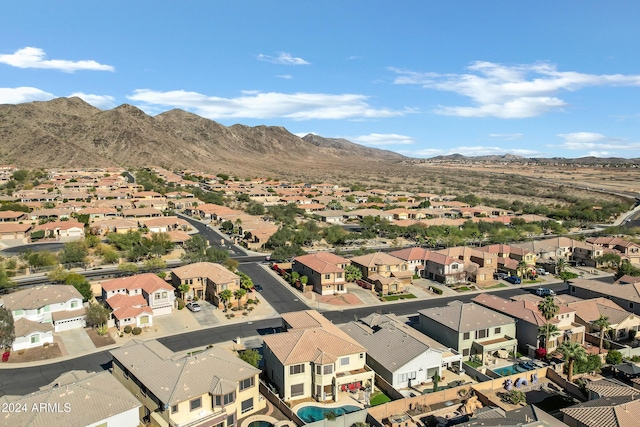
column 35, row 339
column 465, row 336
column 482, row 333
column 497, row 330
column 245, row 384
column 195, row 403
column 339, row 275
column 404, row 267
column 229, row 398
column 164, row 295
column 174, row 409
column 465, row 352
column 231, row 420
column 319, row 370
column 361, row 355
column 297, row 390
column 454, row 266
column 296, row 369
column 327, row 276
column 246, row 406
column 74, row 304
column 344, row 361
column 327, row 369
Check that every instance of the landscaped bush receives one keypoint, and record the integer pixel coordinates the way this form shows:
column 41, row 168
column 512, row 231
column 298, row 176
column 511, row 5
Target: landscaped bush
column 180, row 303
column 127, row 329
column 136, row 331
column 436, row 290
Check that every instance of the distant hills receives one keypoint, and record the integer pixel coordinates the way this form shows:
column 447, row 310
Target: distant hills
column 68, row 132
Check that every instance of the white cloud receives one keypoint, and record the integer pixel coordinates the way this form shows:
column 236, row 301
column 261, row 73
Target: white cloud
column 472, row 151
column 503, row 91
column 33, row 57
column 265, row 105
column 18, row 95
column 505, row 136
column 283, row 58
column 595, row 143
column 103, row 102
column 376, row 139
column 285, row 76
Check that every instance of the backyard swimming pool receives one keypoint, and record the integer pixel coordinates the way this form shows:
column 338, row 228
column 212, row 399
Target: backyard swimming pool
column 517, row 368
column 311, row 413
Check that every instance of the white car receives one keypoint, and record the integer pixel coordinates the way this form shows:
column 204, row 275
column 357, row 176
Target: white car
column 194, row 306
column 545, row 292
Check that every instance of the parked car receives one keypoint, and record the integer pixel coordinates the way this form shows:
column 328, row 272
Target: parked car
column 194, row 306
column 257, row 287
column 500, row 276
column 545, row 292
column 542, row 271
column 514, row 280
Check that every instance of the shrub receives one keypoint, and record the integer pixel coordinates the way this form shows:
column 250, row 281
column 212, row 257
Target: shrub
column 436, row 290
column 180, row 303
column 136, row 331
column 127, row 329
column 614, row 357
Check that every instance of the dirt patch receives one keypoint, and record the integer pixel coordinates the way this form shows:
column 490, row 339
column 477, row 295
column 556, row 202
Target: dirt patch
column 52, row 351
column 340, row 299
column 99, row 341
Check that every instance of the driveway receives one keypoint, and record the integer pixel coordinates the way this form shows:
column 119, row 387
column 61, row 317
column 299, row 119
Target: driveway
column 76, row 342
column 206, row 317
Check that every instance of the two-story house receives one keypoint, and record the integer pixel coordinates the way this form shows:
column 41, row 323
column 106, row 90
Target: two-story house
column 388, row 274
column 399, row 353
column 136, row 299
column 620, row 320
column 530, row 321
column 206, row 280
column 627, row 250
column 213, row 387
column 324, row 270
column 510, row 257
column 38, row 312
column 433, row 265
column 313, row 358
column 479, row 266
column 470, row 329
column 625, row 292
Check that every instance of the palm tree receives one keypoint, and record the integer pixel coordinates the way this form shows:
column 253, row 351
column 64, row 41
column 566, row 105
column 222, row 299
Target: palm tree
column 602, row 323
column 549, row 309
column 572, row 351
column 239, row 293
column 561, row 264
column 522, row 268
column 226, row 296
column 548, row 331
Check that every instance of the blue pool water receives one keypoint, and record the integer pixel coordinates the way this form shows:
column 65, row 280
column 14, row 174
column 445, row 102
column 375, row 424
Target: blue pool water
column 260, row 424
column 311, row 414
column 505, row 371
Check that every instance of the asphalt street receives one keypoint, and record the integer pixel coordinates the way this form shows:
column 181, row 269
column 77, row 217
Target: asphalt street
column 214, row 237
column 281, row 297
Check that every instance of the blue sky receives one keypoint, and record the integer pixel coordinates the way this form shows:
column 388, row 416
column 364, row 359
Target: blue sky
column 423, row 78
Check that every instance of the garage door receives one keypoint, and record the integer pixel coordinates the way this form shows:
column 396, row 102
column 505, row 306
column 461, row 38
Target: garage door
column 67, row 324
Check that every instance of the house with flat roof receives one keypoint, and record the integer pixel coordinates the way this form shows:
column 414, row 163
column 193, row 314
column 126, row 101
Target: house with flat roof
column 313, row 358
column 470, row 329
column 324, row 270
column 213, row 387
column 75, row 399
column 39, row 311
column 401, row 355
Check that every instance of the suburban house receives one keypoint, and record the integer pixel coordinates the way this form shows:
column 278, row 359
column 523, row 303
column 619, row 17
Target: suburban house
column 627, row 250
column 510, row 257
column 64, row 230
column 388, row 274
column 470, row 329
column 136, row 299
column 165, row 224
column 213, row 387
column 39, row 311
column 618, row 411
column 398, row 353
column 206, row 280
column 75, row 399
column 313, row 358
column 620, row 320
column 324, row 270
column 479, row 266
column 530, row 320
column 14, row 231
column 433, row 265
column 625, row 293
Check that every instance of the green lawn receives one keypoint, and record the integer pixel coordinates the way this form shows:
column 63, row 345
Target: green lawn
column 473, row 364
column 397, row 297
column 463, row 289
column 499, row 285
column 378, row 398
